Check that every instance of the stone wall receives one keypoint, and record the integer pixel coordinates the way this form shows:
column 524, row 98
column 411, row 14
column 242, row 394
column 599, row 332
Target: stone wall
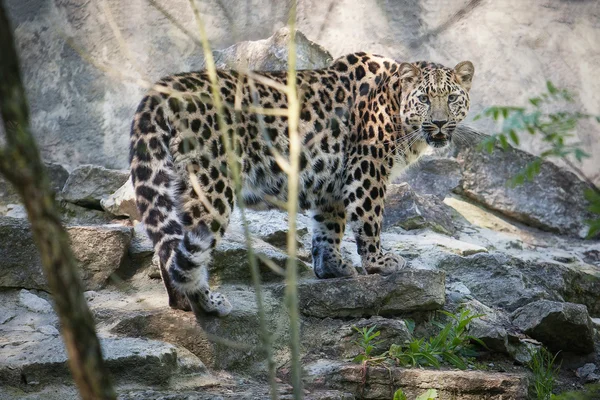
column 82, row 115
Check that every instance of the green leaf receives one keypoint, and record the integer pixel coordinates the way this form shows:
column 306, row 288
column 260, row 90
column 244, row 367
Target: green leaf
column 478, row 116
column 431, row 360
column 580, row 154
column 535, row 101
column 410, row 325
column 598, row 118
column 454, row 360
column 399, row 395
column 504, row 112
column 495, row 113
column 594, row 226
column 551, row 88
column 359, row 358
column 431, row 394
column 503, row 141
column 514, row 137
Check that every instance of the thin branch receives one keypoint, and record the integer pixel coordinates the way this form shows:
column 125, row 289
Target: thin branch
column 291, row 288
column 22, row 166
column 175, row 23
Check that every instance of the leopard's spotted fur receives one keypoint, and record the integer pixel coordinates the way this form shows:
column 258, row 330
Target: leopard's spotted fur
column 362, row 120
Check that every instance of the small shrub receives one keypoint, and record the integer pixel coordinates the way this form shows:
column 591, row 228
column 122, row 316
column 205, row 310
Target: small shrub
column 544, row 373
column 451, row 345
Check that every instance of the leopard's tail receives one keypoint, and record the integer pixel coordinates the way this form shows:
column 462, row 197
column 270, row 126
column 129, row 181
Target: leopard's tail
column 184, row 255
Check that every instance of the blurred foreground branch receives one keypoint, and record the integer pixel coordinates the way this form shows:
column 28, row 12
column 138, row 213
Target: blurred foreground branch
column 20, row 163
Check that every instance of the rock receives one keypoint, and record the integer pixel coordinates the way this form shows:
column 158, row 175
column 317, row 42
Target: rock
column 211, row 338
column 500, row 280
column 587, row 373
column 88, row 184
column 57, row 174
column 122, row 202
column 72, row 214
column 271, row 226
column 409, row 210
column 271, row 54
column 335, row 338
column 401, row 292
column 433, row 175
column 495, row 329
column 553, row 201
column 99, row 251
column 231, row 263
column 16, row 211
column 560, row 326
column 34, row 303
column 377, row 382
column 36, row 363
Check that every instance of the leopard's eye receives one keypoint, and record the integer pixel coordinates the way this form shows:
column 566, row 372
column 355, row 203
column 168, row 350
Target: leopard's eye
column 452, row 98
column 423, row 98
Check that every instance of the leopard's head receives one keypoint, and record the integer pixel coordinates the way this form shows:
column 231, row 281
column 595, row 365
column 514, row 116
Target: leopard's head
column 434, row 99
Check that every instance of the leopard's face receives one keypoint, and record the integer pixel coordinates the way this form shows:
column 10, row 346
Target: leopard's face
column 434, row 100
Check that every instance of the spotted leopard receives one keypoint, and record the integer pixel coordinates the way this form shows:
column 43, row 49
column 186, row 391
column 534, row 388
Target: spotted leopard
column 362, row 120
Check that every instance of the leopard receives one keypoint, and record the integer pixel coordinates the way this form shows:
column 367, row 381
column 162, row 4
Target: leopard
column 362, row 120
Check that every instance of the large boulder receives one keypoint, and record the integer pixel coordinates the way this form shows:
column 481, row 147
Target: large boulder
column 57, row 174
column 88, row 184
column 433, row 175
column 560, row 326
column 509, row 282
column 401, row 292
column 409, row 210
column 122, row 202
column 99, row 251
column 380, row 381
column 271, row 54
column 553, row 201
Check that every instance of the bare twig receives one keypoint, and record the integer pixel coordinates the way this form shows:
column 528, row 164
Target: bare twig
column 467, row 8
column 234, row 166
column 293, row 194
column 20, row 163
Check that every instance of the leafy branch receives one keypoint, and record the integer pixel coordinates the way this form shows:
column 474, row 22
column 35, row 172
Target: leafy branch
column 556, row 130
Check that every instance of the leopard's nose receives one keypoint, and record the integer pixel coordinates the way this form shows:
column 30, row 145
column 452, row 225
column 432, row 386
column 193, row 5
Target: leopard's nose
column 439, row 124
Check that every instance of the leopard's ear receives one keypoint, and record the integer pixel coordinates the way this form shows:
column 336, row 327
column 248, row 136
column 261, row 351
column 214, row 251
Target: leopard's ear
column 408, row 73
column 464, row 73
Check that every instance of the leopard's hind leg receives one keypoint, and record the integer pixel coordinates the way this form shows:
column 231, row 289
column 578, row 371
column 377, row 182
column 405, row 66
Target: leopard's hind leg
column 184, row 226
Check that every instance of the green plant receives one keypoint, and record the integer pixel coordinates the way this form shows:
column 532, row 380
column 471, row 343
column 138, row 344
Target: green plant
column 591, row 392
column 556, row 130
column 431, row 394
column 367, row 342
column 542, row 364
column 451, row 345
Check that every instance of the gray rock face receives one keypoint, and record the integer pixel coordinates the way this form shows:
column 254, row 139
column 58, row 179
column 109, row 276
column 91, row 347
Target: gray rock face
column 587, row 373
column 231, row 263
column 404, row 291
column 379, row 381
column 34, row 303
column 409, row 210
column 336, row 338
column 560, row 326
column 271, row 54
column 122, row 202
column 500, row 280
column 554, row 201
column 57, row 174
column 129, row 359
column 433, row 175
column 89, row 184
column 99, row 251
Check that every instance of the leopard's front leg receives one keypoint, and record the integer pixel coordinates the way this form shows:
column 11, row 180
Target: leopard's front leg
column 365, row 209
